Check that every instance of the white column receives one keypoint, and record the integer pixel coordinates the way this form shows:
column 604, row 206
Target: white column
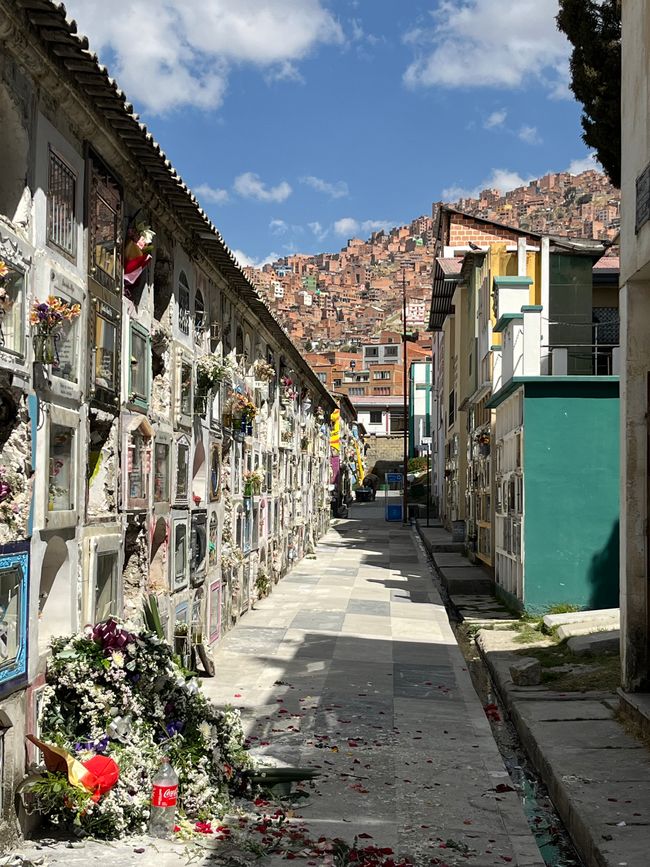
column 532, row 340
column 545, row 293
column 516, row 329
column 560, row 361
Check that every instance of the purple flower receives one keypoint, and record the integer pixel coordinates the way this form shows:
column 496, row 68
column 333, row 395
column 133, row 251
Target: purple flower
column 5, row 491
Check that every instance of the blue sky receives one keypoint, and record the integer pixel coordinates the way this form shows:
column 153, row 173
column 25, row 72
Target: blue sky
column 299, row 123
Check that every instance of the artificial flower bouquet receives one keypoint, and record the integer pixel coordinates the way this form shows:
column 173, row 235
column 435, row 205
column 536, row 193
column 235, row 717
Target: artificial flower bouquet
column 120, row 693
column 47, row 319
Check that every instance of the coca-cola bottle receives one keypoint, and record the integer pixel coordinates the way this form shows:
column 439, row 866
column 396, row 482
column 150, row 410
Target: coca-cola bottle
column 163, row 800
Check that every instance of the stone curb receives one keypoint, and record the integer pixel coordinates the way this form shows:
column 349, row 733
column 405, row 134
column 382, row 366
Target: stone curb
column 586, row 839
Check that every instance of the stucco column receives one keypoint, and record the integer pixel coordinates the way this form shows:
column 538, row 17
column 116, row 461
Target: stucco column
column 532, row 339
column 634, row 384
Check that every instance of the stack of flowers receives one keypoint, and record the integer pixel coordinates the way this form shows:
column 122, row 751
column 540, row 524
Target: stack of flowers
column 120, row 693
column 210, row 370
column 47, row 318
column 264, row 371
column 289, row 391
column 252, row 482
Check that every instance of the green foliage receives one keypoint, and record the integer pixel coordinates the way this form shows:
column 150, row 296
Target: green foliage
column 562, row 608
column 151, row 615
column 417, row 465
column 593, row 27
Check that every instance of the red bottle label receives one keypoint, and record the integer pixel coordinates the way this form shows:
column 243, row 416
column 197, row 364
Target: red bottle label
column 164, row 796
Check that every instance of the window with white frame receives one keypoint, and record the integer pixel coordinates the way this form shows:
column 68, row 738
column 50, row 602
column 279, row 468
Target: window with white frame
column 186, row 388
column 161, row 485
column 106, row 586
column 180, row 555
column 138, row 468
column 376, row 416
column 67, row 347
column 182, row 470
column 61, row 472
column 61, row 197
column 183, row 303
column 12, row 307
column 106, row 329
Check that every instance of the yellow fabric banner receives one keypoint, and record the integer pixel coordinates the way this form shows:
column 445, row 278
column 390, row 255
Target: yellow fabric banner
column 335, row 435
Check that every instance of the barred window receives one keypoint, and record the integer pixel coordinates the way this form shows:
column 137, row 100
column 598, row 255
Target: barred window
column 61, row 193
column 183, row 303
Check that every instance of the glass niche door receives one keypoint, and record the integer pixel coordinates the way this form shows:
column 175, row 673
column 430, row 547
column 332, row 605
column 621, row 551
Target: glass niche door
column 102, row 585
column 180, row 559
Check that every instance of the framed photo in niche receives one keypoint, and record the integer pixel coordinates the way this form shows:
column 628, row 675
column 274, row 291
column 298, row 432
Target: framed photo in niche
column 215, row 472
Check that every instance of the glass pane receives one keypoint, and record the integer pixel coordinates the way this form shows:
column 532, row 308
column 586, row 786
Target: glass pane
column 186, row 388
column 180, row 550
column 182, row 471
column 161, row 473
column 66, row 342
column 105, row 237
column 214, row 538
column 106, row 586
column 12, row 293
column 10, row 625
column 138, row 471
column 105, row 354
column 138, row 365
column 61, row 475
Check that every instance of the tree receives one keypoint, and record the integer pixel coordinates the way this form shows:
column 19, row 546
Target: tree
column 593, row 27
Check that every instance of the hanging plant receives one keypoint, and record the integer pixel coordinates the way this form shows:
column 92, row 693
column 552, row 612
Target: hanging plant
column 47, row 318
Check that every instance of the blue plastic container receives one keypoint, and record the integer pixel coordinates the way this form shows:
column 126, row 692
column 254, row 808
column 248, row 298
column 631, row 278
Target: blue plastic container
column 394, row 512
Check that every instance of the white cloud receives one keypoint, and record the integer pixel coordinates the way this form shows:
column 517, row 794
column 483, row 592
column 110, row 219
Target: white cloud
column 500, row 179
column 248, row 262
column 348, row 227
column 278, row 227
column 490, row 43
column 337, row 190
column 586, row 164
column 530, row 135
column 214, row 195
column 497, row 118
column 319, row 232
column 250, row 186
column 180, row 53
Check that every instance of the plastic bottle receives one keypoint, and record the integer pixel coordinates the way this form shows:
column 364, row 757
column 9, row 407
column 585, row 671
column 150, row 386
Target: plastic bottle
column 163, row 800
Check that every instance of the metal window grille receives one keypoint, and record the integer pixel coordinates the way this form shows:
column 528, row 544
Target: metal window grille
column 200, row 318
column 61, row 227
column 183, row 304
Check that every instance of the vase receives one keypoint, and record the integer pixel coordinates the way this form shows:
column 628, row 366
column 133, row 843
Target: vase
column 44, row 347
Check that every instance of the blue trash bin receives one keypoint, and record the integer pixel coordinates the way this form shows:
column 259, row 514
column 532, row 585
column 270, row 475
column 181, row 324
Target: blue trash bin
column 393, row 511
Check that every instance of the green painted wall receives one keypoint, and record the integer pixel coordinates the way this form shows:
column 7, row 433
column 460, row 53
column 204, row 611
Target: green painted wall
column 571, row 493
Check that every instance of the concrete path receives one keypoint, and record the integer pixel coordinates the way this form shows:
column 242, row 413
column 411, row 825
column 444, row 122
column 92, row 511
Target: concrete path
column 351, row 666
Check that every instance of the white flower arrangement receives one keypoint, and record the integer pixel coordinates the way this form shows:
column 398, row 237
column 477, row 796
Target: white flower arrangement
column 122, row 694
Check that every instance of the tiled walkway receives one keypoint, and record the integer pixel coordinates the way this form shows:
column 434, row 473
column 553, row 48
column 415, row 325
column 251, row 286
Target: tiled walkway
column 351, row 666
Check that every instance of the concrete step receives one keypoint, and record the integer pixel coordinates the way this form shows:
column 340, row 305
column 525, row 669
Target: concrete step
column 466, row 580
column 588, row 627
column 602, row 615
column 598, row 642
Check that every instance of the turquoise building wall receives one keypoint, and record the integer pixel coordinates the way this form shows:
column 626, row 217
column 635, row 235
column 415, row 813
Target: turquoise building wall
column 571, row 492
